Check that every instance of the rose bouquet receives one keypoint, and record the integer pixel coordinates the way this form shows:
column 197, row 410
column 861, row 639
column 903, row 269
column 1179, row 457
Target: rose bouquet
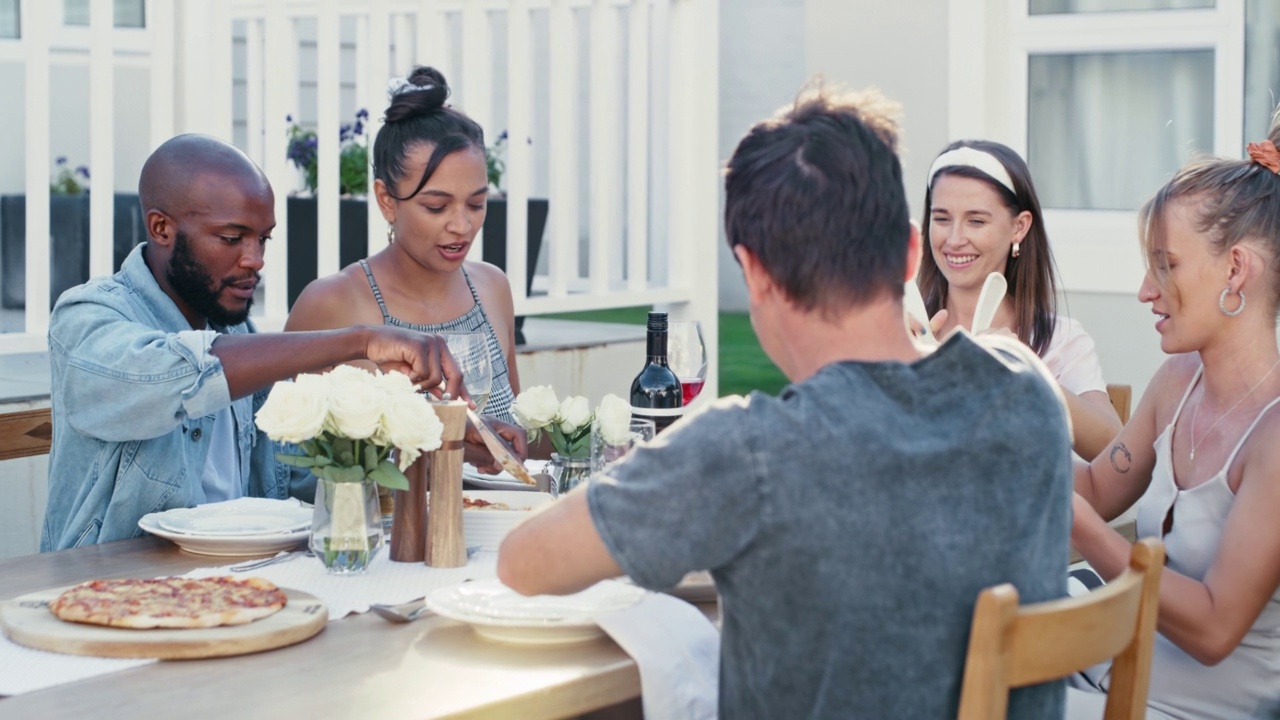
column 348, row 420
column 567, row 423
column 346, row 423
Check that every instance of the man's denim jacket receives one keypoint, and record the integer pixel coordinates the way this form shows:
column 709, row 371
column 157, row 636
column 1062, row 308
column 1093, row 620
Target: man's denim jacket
column 134, row 394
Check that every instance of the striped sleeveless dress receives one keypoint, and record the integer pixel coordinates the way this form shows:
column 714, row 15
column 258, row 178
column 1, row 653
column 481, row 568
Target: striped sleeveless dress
column 501, row 396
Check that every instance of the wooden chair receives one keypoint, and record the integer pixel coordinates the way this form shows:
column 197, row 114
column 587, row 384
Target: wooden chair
column 25, row 433
column 1121, row 397
column 1011, row 646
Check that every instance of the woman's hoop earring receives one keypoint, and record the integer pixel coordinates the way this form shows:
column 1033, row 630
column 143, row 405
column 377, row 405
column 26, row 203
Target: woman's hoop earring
column 1017, row 249
column 391, row 234
column 1222, row 303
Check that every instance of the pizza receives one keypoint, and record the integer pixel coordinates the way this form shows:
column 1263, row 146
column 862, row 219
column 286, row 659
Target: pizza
column 170, row 602
column 478, row 504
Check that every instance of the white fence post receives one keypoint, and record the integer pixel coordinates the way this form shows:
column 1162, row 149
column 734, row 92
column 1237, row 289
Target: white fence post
column 102, row 124
column 36, row 21
column 519, row 158
column 279, row 100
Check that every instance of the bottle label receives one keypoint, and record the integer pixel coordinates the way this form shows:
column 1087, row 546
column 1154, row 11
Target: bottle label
column 657, row 412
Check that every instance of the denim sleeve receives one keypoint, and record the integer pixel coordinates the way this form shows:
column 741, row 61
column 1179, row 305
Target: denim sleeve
column 119, row 379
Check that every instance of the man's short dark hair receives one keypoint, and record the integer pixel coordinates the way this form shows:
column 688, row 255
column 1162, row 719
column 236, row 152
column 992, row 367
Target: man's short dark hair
column 816, row 194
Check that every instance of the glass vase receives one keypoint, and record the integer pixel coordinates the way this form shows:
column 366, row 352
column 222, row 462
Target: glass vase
column 568, row 472
column 346, row 526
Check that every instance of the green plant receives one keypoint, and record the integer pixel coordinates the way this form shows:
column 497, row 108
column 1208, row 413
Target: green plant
column 67, row 181
column 353, row 158
column 494, row 163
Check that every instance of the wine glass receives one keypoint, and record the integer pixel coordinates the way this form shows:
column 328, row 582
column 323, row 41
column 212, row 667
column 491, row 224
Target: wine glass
column 471, row 352
column 687, row 356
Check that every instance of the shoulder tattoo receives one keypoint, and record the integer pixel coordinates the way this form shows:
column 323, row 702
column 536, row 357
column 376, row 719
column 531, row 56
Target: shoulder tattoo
column 1121, row 459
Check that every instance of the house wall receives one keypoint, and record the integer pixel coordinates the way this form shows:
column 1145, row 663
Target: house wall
column 901, row 48
column 762, row 66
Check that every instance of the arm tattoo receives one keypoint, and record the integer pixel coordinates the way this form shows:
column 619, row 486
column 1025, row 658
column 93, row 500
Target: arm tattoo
column 1121, row 460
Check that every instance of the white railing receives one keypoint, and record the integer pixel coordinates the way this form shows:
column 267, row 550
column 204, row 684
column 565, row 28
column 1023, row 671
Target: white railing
column 648, row 214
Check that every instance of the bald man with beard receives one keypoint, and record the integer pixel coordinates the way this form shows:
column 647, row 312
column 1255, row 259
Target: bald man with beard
column 158, row 371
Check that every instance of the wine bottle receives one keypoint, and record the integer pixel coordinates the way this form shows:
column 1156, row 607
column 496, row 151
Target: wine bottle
column 656, row 392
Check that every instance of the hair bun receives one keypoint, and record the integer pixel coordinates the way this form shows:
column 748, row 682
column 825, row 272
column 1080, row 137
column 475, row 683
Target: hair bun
column 424, row 91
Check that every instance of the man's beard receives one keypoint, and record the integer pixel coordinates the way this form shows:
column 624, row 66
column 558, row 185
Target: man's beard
column 198, row 289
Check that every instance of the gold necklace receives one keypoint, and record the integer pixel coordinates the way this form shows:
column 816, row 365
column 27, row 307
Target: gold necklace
column 1196, row 413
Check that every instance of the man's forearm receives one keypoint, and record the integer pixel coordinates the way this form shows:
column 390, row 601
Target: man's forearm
column 254, row 361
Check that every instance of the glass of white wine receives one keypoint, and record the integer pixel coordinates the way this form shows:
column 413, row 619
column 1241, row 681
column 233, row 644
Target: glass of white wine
column 471, row 352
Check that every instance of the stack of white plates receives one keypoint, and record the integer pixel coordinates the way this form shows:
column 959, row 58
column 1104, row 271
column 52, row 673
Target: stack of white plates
column 500, row 613
column 246, row 526
column 486, row 527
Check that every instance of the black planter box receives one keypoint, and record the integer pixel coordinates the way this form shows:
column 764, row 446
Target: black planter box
column 69, row 256
column 353, row 218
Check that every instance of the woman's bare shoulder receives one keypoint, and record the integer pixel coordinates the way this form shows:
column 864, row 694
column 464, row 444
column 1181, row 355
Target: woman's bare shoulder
column 339, row 300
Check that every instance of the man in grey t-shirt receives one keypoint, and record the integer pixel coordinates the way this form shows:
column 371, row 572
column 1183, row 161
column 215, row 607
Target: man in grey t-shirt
column 850, row 522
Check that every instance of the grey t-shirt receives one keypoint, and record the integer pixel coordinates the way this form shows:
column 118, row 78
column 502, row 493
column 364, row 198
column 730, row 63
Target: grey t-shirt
column 850, row 524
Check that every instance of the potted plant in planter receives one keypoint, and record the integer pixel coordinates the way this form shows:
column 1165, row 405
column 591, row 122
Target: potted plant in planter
column 495, row 223
column 353, row 212
column 69, row 230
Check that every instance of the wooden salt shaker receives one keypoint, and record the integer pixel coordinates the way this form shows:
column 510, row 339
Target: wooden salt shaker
column 409, row 515
column 446, row 546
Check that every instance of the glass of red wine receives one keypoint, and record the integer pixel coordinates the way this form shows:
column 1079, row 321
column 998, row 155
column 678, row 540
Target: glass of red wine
column 687, row 356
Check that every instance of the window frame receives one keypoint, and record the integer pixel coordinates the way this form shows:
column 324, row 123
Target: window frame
column 1095, row 250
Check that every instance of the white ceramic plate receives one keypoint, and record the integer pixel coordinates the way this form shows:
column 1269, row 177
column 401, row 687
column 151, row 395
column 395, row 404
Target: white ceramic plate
column 293, row 517
column 231, row 525
column 500, row 613
column 474, row 479
column 487, row 527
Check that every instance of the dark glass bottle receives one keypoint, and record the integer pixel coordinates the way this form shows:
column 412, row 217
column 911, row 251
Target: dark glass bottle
column 656, row 393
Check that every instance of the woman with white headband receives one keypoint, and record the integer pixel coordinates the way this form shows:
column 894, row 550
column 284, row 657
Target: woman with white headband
column 982, row 216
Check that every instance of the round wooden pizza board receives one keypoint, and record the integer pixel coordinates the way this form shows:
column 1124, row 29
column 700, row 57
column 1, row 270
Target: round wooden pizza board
column 28, row 621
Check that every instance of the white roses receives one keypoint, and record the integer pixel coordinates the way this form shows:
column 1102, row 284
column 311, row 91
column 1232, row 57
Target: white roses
column 348, row 420
column 614, row 415
column 568, row 422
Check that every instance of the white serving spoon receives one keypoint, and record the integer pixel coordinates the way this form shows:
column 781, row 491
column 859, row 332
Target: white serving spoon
column 913, row 303
column 993, row 292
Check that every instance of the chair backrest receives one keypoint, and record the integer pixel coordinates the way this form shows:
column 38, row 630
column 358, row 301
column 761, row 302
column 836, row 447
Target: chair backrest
column 1012, row 647
column 1121, row 397
column 25, row 433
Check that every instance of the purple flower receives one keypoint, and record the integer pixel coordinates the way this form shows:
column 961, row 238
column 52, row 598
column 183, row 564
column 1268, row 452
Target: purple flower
column 362, row 114
column 503, row 136
column 344, row 132
column 83, row 170
column 359, row 128
column 288, row 118
column 62, row 160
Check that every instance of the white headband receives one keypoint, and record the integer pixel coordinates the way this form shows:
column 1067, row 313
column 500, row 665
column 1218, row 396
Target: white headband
column 398, row 85
column 974, row 158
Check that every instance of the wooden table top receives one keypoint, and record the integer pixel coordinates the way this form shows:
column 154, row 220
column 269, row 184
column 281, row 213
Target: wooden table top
column 358, row 666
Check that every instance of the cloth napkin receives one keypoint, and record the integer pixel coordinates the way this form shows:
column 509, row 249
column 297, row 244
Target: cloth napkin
column 23, row 669
column 384, row 582
column 678, row 652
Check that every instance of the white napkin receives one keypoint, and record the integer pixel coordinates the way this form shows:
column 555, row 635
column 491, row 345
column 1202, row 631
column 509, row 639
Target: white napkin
column 23, row 669
column 384, row 582
column 678, row 652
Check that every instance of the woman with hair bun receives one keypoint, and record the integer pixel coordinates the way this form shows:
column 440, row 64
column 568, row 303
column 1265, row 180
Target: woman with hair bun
column 982, row 216
column 431, row 184
column 1199, row 455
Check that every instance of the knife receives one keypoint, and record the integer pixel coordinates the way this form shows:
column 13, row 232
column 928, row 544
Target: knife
column 500, row 450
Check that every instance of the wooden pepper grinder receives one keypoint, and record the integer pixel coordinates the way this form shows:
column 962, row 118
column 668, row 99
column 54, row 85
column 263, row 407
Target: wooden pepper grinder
column 409, row 514
column 446, row 546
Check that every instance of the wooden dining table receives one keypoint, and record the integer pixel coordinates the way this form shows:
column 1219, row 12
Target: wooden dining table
column 360, row 666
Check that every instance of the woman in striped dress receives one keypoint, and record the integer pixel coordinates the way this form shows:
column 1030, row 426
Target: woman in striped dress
column 431, row 186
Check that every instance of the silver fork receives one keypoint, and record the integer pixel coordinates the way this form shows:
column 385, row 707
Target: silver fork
column 282, row 556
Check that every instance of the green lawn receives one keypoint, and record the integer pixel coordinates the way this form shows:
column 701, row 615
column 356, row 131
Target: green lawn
column 743, row 364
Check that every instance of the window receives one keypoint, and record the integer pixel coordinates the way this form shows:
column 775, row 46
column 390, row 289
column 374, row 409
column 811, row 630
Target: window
column 9, row 19
column 1087, row 111
column 1261, row 71
column 1055, row 7
column 128, row 13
